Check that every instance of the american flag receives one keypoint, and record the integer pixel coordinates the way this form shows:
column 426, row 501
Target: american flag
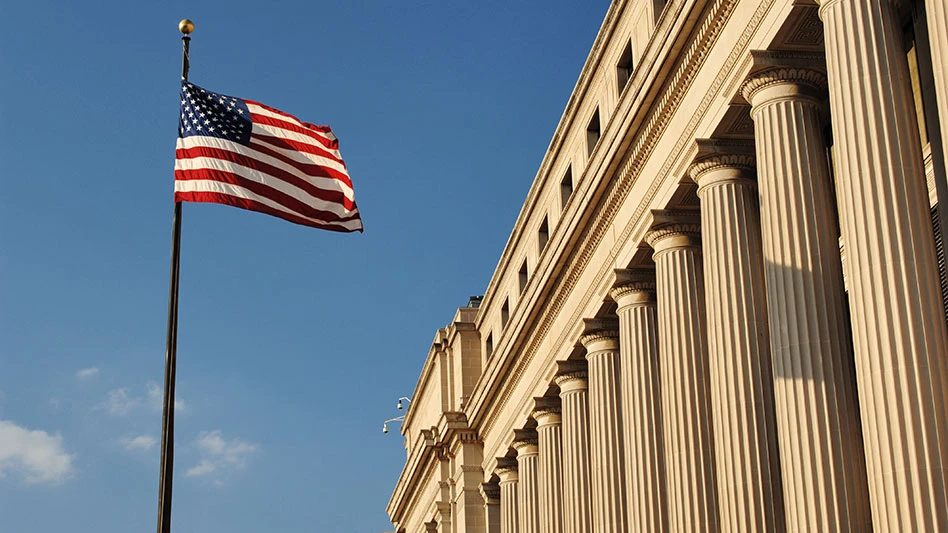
column 245, row 154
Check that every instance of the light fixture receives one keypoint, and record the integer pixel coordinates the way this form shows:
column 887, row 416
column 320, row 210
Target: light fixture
column 400, row 401
column 385, row 424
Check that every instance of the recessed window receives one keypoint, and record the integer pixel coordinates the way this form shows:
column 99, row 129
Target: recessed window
column 624, row 67
column 544, row 234
column 489, row 345
column 505, row 313
column 566, row 186
column 593, row 132
column 524, row 276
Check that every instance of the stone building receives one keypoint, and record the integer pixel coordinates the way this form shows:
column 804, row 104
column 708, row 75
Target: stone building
column 722, row 306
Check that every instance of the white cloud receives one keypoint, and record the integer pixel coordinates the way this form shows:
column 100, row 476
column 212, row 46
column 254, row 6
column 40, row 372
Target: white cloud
column 156, row 398
column 220, row 455
column 38, row 456
column 88, row 373
column 140, row 443
column 121, row 401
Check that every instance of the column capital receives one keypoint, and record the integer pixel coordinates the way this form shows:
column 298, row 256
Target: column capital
column 634, row 286
column 571, row 376
column 526, row 442
column 723, row 162
column 506, row 469
column 547, row 411
column 490, row 491
column 673, row 230
column 783, row 83
column 600, row 335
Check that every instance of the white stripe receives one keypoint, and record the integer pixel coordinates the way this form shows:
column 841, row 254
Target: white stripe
column 204, row 163
column 240, row 192
column 277, row 131
column 254, row 108
column 324, row 183
column 325, row 161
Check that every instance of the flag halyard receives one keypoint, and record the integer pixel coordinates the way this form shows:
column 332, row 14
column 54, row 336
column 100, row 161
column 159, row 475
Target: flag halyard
column 245, row 154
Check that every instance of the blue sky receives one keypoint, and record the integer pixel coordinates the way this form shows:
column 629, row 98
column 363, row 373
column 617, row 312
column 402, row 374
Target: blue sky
column 294, row 343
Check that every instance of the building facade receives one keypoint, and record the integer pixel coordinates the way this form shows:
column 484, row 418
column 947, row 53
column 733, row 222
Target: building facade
column 723, row 305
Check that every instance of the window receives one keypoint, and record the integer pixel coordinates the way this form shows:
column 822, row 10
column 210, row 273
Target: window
column 544, row 234
column 524, row 276
column 489, row 345
column 593, row 132
column 566, row 186
column 505, row 313
column 624, row 67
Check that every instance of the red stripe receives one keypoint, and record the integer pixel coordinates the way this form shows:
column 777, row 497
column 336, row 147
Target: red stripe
column 264, row 144
column 286, row 143
column 324, row 129
column 251, row 205
column 289, row 126
column 266, row 191
column 327, row 195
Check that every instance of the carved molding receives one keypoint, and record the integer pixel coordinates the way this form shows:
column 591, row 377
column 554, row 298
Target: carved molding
column 811, row 79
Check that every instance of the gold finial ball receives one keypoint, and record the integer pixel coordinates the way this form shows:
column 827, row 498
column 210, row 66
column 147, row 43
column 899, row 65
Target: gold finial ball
column 186, row 26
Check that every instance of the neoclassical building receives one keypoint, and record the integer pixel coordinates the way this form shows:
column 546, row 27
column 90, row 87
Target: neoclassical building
column 723, row 305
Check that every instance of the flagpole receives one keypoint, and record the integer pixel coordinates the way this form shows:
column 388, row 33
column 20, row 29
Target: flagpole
column 171, row 347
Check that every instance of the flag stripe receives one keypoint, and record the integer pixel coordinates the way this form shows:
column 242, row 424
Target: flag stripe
column 224, row 193
column 278, row 199
column 263, row 109
column 316, row 180
column 298, row 151
column 211, row 168
column 283, row 128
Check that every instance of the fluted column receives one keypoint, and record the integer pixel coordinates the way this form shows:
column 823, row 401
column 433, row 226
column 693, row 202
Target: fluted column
column 490, row 492
column 899, row 331
column 509, row 498
column 936, row 13
column 686, row 401
column 601, row 339
column 550, row 478
column 572, row 380
column 634, row 293
column 822, row 458
column 745, row 428
column 525, row 442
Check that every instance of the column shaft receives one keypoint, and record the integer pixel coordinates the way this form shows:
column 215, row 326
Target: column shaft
column 509, row 501
column 605, row 426
column 686, row 402
column 550, row 478
column 527, row 490
column 745, row 433
column 936, row 13
column 899, row 330
column 821, row 446
column 573, row 393
column 641, row 404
